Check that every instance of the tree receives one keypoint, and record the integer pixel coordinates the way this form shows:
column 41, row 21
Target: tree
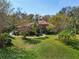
column 4, row 9
column 4, row 20
column 73, row 14
column 60, row 21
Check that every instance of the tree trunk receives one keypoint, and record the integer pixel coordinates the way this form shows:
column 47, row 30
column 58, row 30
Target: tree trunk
column 1, row 44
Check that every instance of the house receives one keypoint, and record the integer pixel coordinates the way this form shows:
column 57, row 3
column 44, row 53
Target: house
column 40, row 25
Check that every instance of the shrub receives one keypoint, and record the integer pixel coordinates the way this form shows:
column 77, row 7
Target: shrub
column 6, row 39
column 66, row 34
column 69, row 38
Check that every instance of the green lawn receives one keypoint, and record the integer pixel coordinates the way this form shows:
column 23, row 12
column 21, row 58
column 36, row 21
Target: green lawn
column 48, row 48
column 53, row 49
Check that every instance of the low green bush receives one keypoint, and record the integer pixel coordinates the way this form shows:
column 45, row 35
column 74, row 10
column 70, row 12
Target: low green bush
column 5, row 39
column 69, row 38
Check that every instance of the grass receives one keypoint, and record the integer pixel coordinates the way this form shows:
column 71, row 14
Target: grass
column 15, row 53
column 46, row 49
column 53, row 49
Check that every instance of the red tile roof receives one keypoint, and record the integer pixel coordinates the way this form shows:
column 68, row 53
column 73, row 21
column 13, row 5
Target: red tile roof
column 42, row 22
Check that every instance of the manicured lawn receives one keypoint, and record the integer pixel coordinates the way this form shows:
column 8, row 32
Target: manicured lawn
column 49, row 48
column 15, row 53
column 53, row 49
column 19, row 43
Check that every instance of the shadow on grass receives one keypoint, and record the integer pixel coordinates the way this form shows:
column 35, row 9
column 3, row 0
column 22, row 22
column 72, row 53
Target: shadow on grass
column 34, row 40
column 72, row 43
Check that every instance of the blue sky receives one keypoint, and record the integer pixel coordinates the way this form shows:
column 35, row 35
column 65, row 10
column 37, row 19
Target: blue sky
column 43, row 7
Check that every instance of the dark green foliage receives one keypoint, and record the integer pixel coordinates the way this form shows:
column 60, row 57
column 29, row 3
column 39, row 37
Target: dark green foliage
column 6, row 39
column 34, row 41
column 15, row 53
column 69, row 38
column 73, row 43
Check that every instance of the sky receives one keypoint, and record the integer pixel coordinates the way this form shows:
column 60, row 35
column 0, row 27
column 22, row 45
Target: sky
column 43, row 7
